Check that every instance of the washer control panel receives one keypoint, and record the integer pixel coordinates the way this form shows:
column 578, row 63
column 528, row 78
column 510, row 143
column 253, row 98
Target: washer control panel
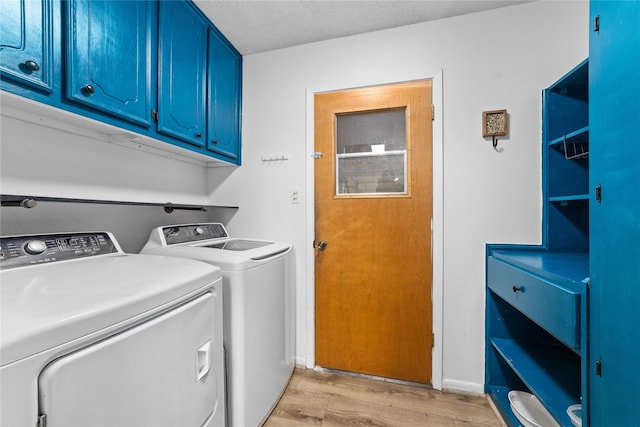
column 19, row 251
column 193, row 232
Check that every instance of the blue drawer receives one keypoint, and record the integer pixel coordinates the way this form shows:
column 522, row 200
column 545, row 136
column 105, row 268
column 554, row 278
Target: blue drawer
column 553, row 307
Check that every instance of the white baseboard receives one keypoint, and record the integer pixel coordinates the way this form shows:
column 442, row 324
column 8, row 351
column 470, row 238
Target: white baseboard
column 302, row 361
column 464, row 386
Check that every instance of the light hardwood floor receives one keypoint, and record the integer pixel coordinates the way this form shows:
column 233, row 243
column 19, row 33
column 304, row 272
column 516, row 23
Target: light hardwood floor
column 330, row 399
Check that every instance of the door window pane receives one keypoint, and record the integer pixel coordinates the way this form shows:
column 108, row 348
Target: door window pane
column 371, row 152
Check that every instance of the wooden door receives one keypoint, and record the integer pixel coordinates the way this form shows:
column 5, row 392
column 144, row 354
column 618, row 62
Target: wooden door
column 373, row 267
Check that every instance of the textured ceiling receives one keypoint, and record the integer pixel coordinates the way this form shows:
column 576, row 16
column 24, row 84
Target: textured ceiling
column 254, row 26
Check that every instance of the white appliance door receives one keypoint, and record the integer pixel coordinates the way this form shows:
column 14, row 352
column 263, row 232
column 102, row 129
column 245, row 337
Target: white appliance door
column 164, row 372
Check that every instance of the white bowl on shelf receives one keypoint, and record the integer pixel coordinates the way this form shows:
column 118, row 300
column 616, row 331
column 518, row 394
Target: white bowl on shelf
column 529, row 411
column 575, row 414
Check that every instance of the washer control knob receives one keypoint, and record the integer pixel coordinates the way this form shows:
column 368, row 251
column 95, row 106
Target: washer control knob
column 199, row 231
column 35, row 247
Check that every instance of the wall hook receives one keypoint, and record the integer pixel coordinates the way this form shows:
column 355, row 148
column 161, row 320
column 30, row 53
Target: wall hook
column 494, row 123
column 495, row 144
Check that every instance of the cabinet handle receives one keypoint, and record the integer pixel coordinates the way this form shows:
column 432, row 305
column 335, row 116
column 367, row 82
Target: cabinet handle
column 198, row 135
column 215, row 141
column 88, row 89
column 516, row 288
column 32, row 65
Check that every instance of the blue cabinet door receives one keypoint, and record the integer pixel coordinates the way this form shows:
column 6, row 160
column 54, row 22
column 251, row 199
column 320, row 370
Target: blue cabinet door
column 109, row 51
column 182, row 66
column 26, row 43
column 225, row 76
column 614, row 119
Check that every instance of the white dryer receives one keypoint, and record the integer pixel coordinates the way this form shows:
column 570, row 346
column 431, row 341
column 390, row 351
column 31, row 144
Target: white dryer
column 90, row 336
column 258, row 317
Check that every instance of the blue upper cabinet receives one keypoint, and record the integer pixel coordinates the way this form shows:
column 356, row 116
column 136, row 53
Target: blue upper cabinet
column 108, row 61
column 159, row 69
column 26, row 43
column 225, row 79
column 182, row 67
column 614, row 182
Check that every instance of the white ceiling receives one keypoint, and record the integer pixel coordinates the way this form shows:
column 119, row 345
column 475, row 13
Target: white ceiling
column 254, row 26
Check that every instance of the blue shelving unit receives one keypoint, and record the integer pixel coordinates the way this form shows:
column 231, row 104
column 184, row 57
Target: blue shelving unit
column 537, row 296
column 591, row 245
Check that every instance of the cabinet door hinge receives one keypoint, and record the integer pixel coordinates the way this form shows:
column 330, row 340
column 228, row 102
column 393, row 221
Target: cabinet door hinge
column 599, row 193
column 42, row 421
column 433, row 340
column 596, row 24
column 154, row 115
column 599, row 367
column 433, row 112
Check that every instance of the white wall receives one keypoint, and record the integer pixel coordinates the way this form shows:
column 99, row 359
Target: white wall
column 46, row 151
column 52, row 153
column 492, row 60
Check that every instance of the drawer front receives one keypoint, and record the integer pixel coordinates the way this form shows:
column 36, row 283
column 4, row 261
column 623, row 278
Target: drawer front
column 554, row 308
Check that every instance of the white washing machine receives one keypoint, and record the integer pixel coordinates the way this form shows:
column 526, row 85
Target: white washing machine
column 90, row 336
column 258, row 317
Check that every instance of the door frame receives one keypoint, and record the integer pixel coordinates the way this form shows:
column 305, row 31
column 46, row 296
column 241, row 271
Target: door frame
column 437, row 225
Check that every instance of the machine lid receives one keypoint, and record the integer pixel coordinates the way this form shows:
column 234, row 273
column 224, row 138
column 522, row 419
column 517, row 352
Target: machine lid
column 227, row 260
column 209, row 242
column 47, row 305
column 239, row 245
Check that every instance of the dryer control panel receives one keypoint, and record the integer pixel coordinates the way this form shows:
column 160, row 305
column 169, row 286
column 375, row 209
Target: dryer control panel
column 19, row 251
column 193, row 233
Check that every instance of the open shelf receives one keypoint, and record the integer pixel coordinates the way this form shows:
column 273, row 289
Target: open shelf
column 9, row 200
column 579, row 136
column 549, row 371
column 575, row 83
column 569, row 198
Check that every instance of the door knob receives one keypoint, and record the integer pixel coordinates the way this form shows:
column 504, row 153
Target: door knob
column 32, row 65
column 88, row 89
column 322, row 244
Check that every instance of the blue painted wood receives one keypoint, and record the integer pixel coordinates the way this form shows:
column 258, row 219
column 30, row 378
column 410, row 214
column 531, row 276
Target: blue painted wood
column 182, row 67
column 615, row 221
column 109, row 48
column 522, row 327
column 177, row 122
column 566, row 106
column 26, row 43
column 550, row 372
column 225, row 90
column 553, row 307
column 569, row 269
column 569, row 198
column 566, row 115
column 578, row 135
